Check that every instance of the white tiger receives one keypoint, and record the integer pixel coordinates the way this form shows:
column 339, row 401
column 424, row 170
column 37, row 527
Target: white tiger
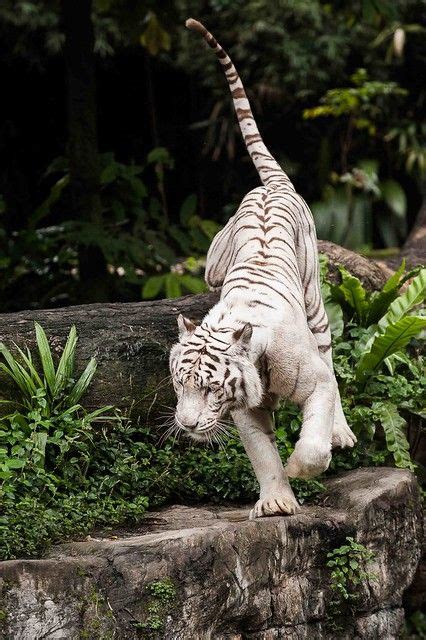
column 268, row 337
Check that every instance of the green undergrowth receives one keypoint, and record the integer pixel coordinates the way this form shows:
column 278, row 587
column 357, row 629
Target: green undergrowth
column 348, row 566
column 65, row 471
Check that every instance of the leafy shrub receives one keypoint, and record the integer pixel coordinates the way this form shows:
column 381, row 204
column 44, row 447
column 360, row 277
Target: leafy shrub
column 151, row 248
column 48, row 422
column 379, row 380
column 348, row 571
column 345, row 214
column 141, row 242
column 46, row 445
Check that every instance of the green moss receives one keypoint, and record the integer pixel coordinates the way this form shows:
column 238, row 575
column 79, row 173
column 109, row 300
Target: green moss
column 160, row 602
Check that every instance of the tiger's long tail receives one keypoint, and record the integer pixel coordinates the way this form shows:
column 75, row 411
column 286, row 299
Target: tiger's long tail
column 267, row 167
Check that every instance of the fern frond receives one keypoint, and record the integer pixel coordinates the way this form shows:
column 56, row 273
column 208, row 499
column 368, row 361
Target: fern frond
column 394, row 428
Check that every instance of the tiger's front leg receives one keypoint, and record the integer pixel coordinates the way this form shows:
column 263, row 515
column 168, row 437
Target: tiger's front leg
column 276, row 496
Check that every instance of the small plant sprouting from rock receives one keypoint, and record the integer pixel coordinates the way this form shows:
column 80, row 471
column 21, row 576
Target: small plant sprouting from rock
column 161, row 597
column 98, row 617
column 348, row 571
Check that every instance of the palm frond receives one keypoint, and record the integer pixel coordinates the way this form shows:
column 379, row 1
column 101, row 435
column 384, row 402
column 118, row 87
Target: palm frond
column 66, row 363
column 45, row 356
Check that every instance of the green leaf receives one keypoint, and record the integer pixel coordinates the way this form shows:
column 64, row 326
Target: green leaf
column 83, row 382
column 138, row 187
column 32, row 371
column 45, row 356
column 181, row 237
column 210, row 228
column 394, row 428
column 40, row 440
column 188, row 209
column 192, row 283
column 17, row 372
column 335, row 318
column 153, row 286
column 369, row 166
column 200, row 240
column 394, row 338
column 412, row 296
column 394, row 196
column 100, row 413
column 109, row 173
column 380, row 300
column 66, row 363
column 354, row 293
column 15, row 463
column 45, row 208
column 160, row 155
column 173, row 288
column 395, row 280
column 11, row 368
column 154, row 38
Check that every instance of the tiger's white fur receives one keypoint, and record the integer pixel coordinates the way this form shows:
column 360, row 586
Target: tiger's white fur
column 268, row 337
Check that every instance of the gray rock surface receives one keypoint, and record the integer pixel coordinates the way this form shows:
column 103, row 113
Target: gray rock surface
column 208, row 572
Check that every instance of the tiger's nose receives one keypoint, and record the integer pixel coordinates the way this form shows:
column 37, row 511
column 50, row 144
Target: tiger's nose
column 186, row 421
column 189, row 426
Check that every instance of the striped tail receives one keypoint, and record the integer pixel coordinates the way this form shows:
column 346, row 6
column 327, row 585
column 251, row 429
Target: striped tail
column 267, row 167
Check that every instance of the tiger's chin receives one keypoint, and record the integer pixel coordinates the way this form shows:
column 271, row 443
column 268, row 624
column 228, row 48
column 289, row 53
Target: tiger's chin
column 199, row 437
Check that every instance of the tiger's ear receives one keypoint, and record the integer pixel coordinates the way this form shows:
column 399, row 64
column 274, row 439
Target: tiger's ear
column 243, row 335
column 185, row 326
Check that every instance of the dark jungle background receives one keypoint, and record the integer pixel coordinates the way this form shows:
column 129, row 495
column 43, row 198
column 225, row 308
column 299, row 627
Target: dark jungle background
column 121, row 155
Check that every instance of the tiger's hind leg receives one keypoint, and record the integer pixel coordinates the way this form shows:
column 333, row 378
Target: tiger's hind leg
column 218, row 258
column 342, row 435
column 223, row 253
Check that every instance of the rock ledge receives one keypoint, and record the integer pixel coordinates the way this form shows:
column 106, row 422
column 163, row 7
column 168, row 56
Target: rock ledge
column 209, row 573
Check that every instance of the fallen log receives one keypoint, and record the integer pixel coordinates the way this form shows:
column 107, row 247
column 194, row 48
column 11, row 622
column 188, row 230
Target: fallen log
column 131, row 341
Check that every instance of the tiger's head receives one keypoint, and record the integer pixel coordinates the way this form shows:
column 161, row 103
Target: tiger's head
column 212, row 374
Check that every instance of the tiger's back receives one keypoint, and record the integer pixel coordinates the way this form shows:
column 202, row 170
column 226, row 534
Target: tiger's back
column 258, row 255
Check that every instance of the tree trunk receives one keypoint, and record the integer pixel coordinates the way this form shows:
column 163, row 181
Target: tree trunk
column 83, row 142
column 131, row 341
column 414, row 249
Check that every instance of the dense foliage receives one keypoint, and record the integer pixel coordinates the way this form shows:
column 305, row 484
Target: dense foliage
column 344, row 79
column 65, row 471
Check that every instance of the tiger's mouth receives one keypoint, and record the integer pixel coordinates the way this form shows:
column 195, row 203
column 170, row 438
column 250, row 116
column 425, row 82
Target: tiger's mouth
column 199, row 437
column 206, row 434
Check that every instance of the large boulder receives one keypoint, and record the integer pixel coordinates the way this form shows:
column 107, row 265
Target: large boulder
column 209, row 573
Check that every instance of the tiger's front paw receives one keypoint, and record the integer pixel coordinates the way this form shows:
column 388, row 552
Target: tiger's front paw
column 281, row 504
